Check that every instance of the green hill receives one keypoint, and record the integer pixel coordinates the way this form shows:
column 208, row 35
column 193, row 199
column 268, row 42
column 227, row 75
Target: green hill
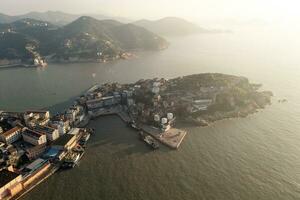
column 85, row 38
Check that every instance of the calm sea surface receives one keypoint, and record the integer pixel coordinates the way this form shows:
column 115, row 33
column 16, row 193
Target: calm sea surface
column 242, row 159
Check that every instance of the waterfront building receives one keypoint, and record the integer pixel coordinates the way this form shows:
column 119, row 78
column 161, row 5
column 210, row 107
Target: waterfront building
column 33, row 137
column 104, row 102
column 73, row 112
column 65, row 142
column 95, row 103
column 10, row 184
column 34, row 171
column 51, row 133
column 11, row 135
column 40, row 114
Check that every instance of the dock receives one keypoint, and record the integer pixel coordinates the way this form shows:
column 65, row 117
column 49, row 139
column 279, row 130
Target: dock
column 171, row 138
column 124, row 116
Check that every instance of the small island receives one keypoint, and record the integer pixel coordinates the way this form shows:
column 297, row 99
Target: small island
column 34, row 145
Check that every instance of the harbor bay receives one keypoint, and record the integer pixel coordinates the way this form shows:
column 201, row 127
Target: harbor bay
column 247, row 158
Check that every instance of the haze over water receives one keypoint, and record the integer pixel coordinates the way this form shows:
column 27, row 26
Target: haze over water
column 252, row 158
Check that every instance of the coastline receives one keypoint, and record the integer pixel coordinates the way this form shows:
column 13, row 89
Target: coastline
column 148, row 107
column 126, row 56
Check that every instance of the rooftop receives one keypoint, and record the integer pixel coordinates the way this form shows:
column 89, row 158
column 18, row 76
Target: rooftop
column 63, row 140
column 32, row 133
column 11, row 131
column 45, row 129
column 36, row 111
column 6, row 177
column 100, row 99
column 38, row 162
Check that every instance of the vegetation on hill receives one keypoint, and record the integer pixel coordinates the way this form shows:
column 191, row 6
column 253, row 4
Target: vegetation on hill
column 85, row 38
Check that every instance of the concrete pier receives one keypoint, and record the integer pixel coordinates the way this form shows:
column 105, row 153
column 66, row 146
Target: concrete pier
column 124, row 116
column 171, row 138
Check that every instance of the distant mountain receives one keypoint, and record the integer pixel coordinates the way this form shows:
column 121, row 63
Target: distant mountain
column 84, row 38
column 172, row 26
column 55, row 17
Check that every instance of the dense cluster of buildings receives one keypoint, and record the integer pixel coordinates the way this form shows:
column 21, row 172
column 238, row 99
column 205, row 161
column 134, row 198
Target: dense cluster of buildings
column 153, row 102
column 31, row 145
column 142, row 101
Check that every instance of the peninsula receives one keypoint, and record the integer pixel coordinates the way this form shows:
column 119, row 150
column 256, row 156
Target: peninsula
column 200, row 99
column 34, row 144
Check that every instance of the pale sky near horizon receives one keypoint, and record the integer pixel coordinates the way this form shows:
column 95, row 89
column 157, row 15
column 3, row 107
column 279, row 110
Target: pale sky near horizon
column 152, row 9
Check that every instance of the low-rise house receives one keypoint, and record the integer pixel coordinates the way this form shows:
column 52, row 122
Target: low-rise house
column 11, row 135
column 33, row 137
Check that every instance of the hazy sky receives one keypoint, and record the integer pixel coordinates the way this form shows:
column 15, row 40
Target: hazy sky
column 191, row 9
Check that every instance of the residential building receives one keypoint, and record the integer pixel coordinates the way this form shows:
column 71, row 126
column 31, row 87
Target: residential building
column 62, row 125
column 33, row 137
column 11, row 135
column 73, row 112
column 51, row 133
column 32, row 118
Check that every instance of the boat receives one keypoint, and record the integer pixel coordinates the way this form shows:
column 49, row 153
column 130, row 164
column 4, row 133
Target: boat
column 90, row 130
column 282, row 100
column 85, row 137
column 83, row 140
column 72, row 159
column 78, row 148
column 134, row 126
column 149, row 140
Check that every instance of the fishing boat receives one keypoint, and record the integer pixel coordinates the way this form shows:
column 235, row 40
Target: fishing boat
column 149, row 140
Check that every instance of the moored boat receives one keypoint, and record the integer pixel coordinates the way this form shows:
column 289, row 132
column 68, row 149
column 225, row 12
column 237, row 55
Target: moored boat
column 72, row 159
column 149, row 140
column 134, row 126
